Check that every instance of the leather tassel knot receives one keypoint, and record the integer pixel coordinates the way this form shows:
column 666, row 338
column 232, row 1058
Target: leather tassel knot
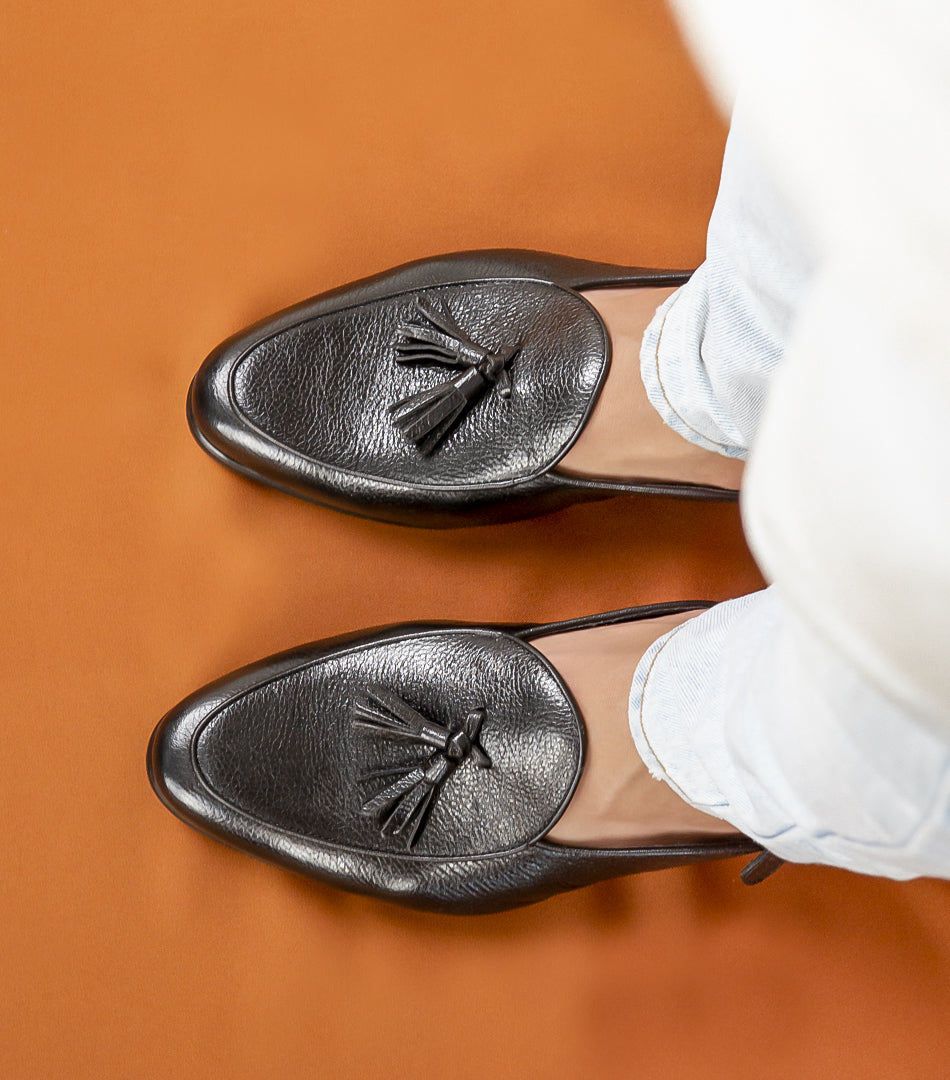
column 427, row 417
column 402, row 806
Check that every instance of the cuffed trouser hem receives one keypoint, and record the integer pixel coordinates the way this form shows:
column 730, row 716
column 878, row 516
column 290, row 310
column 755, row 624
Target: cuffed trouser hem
column 674, row 376
column 750, row 717
column 710, row 353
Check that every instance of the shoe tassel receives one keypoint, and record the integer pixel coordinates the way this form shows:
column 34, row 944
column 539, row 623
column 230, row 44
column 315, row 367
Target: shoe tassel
column 402, row 807
column 427, row 417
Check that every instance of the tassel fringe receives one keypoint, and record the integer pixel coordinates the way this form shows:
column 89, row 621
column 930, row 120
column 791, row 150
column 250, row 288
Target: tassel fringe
column 402, row 807
column 427, row 417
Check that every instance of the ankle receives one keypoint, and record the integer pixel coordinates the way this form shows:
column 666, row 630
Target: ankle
column 624, row 437
column 617, row 802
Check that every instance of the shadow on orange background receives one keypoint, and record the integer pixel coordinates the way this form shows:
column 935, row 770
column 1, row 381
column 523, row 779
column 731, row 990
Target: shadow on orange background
column 173, row 172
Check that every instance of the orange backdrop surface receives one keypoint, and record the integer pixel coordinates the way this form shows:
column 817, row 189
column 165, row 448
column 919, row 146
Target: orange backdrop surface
column 171, row 172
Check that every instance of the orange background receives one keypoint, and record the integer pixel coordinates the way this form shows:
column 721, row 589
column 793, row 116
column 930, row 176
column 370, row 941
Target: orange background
column 173, row 171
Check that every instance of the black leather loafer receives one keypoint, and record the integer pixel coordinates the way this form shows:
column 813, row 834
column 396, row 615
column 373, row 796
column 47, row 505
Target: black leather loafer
column 422, row 763
column 443, row 392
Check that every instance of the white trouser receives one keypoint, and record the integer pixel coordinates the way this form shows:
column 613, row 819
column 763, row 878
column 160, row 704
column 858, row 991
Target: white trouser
column 754, row 711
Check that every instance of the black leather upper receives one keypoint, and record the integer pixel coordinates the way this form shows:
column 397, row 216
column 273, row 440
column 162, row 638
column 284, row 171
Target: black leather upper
column 324, row 387
column 304, row 399
column 288, row 753
column 277, row 759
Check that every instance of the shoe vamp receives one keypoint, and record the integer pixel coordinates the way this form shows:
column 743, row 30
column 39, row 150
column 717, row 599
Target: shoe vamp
column 323, row 389
column 291, row 755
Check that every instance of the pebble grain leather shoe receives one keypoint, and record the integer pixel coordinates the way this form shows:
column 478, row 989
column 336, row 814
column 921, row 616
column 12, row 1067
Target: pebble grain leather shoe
column 420, row 763
column 442, row 393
